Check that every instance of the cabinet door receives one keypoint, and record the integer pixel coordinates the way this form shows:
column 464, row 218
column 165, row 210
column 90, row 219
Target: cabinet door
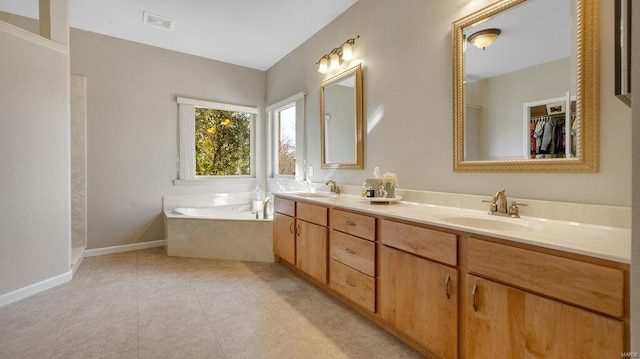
column 510, row 323
column 420, row 298
column 311, row 249
column 284, row 240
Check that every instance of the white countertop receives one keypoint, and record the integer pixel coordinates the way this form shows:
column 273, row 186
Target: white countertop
column 604, row 242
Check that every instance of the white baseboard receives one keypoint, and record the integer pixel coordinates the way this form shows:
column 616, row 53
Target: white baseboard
column 35, row 288
column 123, row 248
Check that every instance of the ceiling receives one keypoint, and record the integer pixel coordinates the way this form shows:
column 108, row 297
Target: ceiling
column 250, row 33
column 533, row 33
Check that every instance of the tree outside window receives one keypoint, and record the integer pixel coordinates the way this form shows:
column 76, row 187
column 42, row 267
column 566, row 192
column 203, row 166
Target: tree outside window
column 223, row 142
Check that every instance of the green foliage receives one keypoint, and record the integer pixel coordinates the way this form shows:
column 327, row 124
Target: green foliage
column 223, row 142
column 287, row 157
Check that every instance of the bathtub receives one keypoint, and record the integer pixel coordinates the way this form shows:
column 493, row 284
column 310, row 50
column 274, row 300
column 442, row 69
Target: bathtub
column 219, row 232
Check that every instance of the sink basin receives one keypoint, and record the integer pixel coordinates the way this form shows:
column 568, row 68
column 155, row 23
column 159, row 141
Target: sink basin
column 315, row 194
column 496, row 224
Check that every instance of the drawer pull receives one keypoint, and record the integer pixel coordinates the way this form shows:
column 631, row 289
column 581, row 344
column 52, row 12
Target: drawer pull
column 349, row 283
column 446, row 285
column 474, row 292
column 350, row 251
column 351, row 224
column 291, row 227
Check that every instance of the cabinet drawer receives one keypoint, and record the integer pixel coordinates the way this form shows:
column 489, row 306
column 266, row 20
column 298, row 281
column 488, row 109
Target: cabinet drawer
column 356, row 224
column 424, row 242
column 355, row 252
column 284, row 206
column 312, row 213
column 585, row 284
column 352, row 284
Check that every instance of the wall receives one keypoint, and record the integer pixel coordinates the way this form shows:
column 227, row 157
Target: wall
column 406, row 56
column 132, row 129
column 34, row 147
column 501, row 98
column 635, row 230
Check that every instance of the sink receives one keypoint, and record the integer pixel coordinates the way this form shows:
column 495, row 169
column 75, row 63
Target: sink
column 315, row 194
column 496, row 224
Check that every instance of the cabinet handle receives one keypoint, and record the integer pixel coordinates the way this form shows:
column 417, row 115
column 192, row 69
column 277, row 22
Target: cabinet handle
column 298, row 230
column 351, row 224
column 474, row 291
column 446, row 285
column 291, row 227
column 349, row 283
column 350, row 251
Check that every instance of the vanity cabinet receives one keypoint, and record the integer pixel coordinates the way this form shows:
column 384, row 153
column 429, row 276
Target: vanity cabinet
column 545, row 306
column 353, row 252
column 312, row 240
column 284, row 235
column 418, row 296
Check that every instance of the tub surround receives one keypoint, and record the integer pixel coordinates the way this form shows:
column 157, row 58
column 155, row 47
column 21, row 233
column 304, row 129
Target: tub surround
column 216, row 226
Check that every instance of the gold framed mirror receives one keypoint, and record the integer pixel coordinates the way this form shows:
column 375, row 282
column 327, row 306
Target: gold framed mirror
column 342, row 131
column 508, row 94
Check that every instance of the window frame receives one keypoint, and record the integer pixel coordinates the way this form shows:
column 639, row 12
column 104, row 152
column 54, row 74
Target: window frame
column 297, row 100
column 187, row 146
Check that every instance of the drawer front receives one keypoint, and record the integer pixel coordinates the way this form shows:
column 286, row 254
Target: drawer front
column 312, row 213
column 355, row 224
column 352, row 284
column 585, row 284
column 284, row 206
column 355, row 252
column 424, row 242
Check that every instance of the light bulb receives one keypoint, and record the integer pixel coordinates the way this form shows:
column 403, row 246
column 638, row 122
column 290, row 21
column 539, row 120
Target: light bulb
column 347, row 52
column 322, row 68
column 335, row 61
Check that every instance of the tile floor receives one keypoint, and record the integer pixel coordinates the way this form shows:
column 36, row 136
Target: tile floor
column 144, row 304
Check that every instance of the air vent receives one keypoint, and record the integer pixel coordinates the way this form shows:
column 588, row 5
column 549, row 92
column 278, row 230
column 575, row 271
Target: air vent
column 158, row 21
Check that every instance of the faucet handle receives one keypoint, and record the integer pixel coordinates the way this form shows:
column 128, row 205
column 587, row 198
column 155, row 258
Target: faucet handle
column 493, row 207
column 513, row 210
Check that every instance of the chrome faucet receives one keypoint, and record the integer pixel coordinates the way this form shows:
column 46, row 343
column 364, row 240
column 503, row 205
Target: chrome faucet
column 498, row 205
column 333, row 187
column 265, row 208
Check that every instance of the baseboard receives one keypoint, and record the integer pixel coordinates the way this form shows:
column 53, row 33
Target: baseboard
column 123, row 248
column 35, row 288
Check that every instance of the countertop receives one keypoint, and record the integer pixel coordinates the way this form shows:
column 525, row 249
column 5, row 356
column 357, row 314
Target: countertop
column 610, row 243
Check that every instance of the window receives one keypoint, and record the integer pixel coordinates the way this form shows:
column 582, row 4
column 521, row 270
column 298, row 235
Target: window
column 286, row 119
column 216, row 140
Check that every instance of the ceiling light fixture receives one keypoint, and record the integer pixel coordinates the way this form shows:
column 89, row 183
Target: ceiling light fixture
column 484, row 38
column 335, row 57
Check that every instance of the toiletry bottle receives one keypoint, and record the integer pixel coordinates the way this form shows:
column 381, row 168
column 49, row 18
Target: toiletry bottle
column 257, row 199
column 364, row 190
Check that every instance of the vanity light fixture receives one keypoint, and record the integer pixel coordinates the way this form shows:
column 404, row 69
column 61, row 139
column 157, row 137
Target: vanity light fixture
column 335, row 57
column 484, row 38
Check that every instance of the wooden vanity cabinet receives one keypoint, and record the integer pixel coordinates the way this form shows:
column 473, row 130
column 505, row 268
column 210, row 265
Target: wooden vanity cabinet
column 284, row 235
column 353, row 252
column 543, row 307
column 418, row 296
column 312, row 240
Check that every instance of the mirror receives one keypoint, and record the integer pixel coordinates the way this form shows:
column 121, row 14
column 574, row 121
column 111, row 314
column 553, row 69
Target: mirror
column 529, row 101
column 341, row 120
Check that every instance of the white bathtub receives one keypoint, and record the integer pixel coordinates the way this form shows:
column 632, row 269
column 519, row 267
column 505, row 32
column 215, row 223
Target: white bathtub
column 219, row 232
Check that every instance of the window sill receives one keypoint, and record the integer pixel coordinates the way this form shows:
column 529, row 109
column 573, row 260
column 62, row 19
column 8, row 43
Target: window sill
column 215, row 181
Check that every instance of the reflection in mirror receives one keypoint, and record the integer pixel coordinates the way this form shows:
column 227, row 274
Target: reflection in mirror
column 341, row 120
column 527, row 101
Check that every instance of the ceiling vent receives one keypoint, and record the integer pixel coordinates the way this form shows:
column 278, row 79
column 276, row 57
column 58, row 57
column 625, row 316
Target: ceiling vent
column 158, row 21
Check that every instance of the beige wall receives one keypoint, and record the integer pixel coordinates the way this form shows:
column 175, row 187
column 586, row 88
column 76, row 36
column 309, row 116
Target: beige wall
column 635, row 230
column 34, row 163
column 406, row 56
column 500, row 99
column 132, row 129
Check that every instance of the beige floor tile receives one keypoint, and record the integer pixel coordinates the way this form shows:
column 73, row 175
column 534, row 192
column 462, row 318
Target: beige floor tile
column 96, row 337
column 253, row 331
column 194, row 342
column 226, row 305
column 158, row 324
